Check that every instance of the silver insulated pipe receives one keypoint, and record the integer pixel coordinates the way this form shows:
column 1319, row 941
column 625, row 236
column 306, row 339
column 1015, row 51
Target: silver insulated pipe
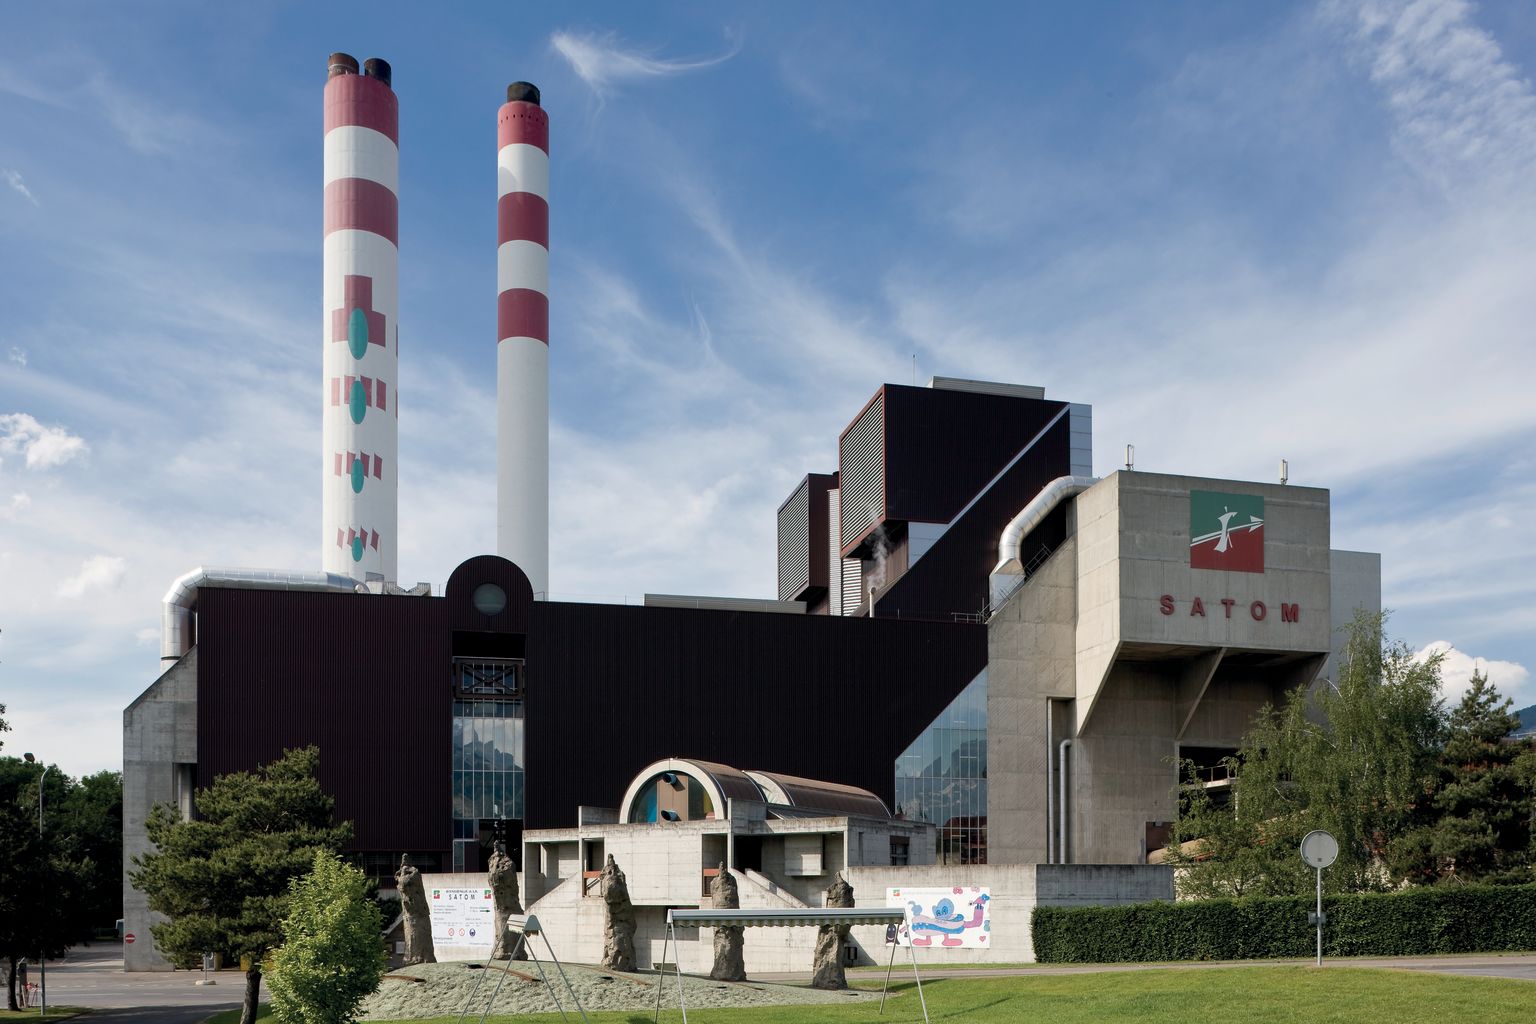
column 177, row 633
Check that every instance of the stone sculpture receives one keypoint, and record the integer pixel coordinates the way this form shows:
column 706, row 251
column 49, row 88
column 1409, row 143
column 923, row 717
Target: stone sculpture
column 506, row 900
column 828, row 966
column 729, row 963
column 413, row 908
column 619, row 922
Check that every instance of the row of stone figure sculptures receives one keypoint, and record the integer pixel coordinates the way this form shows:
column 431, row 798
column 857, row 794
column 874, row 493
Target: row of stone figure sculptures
column 618, row 921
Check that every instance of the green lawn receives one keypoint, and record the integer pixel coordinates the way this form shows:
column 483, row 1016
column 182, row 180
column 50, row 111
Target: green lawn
column 54, row 1013
column 1228, row 995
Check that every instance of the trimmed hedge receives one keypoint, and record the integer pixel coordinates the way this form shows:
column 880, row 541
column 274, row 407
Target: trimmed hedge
column 1415, row 922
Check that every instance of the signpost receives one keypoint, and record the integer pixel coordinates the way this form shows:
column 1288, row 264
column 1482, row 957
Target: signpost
column 1320, row 850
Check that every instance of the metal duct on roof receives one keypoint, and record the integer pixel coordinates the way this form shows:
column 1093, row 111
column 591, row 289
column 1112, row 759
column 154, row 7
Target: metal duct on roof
column 176, row 631
column 1032, row 515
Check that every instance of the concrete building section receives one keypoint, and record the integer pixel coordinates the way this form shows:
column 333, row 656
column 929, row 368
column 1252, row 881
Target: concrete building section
column 1355, row 585
column 1031, row 665
column 1142, row 597
column 159, row 767
column 1118, row 654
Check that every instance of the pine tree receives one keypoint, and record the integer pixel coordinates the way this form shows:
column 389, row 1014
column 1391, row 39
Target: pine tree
column 1482, row 807
column 223, row 878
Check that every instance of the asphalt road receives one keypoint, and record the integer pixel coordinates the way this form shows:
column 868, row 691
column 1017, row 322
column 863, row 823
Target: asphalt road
column 93, row 976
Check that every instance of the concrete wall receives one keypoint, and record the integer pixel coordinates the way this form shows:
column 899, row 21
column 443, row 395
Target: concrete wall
column 575, row 925
column 1031, row 660
column 1356, row 585
column 159, row 734
column 1133, row 535
column 1123, row 774
column 663, row 864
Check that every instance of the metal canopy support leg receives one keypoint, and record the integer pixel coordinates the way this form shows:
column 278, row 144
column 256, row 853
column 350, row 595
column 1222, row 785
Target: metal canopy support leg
column 670, row 935
column 478, row 981
column 565, row 978
column 890, row 965
column 678, row 970
column 920, row 997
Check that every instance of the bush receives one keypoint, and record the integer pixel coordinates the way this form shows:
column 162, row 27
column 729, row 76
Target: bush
column 332, row 955
column 1416, row 922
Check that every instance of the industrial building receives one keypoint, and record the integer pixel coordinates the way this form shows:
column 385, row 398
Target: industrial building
column 992, row 659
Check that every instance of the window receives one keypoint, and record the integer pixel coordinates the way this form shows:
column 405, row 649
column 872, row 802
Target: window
column 901, row 851
column 942, row 777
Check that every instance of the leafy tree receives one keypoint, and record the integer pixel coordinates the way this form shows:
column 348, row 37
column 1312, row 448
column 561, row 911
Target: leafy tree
column 1358, row 758
column 4, row 726
column 1482, row 825
column 88, row 823
column 39, row 881
column 332, row 955
column 222, row 878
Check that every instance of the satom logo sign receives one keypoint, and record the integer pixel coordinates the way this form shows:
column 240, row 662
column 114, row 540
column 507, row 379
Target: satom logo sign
column 1226, row 531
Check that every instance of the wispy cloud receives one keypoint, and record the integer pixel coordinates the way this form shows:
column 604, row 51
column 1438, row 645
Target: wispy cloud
column 43, row 446
column 1459, row 105
column 17, row 355
column 13, row 178
column 603, row 63
column 99, row 572
column 19, row 503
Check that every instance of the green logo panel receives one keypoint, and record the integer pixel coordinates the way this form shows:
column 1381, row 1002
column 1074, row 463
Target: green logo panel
column 1226, row 531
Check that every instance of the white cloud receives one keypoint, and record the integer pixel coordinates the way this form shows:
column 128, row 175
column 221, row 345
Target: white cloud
column 602, row 63
column 20, row 502
column 44, row 447
column 13, row 178
column 1456, row 668
column 99, row 572
column 18, row 355
column 1458, row 104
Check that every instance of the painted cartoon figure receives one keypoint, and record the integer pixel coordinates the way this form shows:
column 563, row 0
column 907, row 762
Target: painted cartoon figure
column 944, row 921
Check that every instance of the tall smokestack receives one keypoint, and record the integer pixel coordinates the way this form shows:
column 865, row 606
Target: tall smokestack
column 361, row 299
column 522, row 349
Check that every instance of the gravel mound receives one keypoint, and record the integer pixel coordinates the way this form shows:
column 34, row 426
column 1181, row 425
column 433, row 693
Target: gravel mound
column 437, row 990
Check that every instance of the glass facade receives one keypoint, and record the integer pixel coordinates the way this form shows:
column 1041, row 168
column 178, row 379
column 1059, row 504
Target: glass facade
column 942, row 776
column 488, row 763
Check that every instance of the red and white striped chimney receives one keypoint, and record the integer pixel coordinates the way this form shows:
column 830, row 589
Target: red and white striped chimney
column 522, row 349
column 359, row 398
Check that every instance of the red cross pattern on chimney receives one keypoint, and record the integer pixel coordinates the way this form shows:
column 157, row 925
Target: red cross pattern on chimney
column 358, row 295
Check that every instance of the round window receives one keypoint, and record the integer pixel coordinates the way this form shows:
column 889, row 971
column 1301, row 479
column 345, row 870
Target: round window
column 489, row 599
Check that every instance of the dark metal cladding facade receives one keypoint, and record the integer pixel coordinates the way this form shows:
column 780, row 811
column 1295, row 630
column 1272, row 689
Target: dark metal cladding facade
column 610, row 689
column 951, row 578
column 365, row 678
column 920, row 454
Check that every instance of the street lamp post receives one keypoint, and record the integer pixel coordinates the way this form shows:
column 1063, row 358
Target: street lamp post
column 42, row 960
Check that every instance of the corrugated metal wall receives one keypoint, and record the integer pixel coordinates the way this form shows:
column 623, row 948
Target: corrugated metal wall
column 795, row 543
column 861, row 472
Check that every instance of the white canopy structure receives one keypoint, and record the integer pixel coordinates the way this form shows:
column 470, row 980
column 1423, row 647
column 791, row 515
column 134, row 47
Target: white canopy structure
column 796, row 918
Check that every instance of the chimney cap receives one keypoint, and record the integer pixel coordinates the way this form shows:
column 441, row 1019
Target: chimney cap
column 341, row 64
column 527, row 92
column 378, row 67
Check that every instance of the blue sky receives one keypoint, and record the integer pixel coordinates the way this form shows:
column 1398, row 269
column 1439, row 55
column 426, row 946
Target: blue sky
column 1242, row 232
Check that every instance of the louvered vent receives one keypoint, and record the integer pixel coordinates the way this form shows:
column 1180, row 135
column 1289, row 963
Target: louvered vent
column 861, row 465
column 795, row 544
column 853, row 584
